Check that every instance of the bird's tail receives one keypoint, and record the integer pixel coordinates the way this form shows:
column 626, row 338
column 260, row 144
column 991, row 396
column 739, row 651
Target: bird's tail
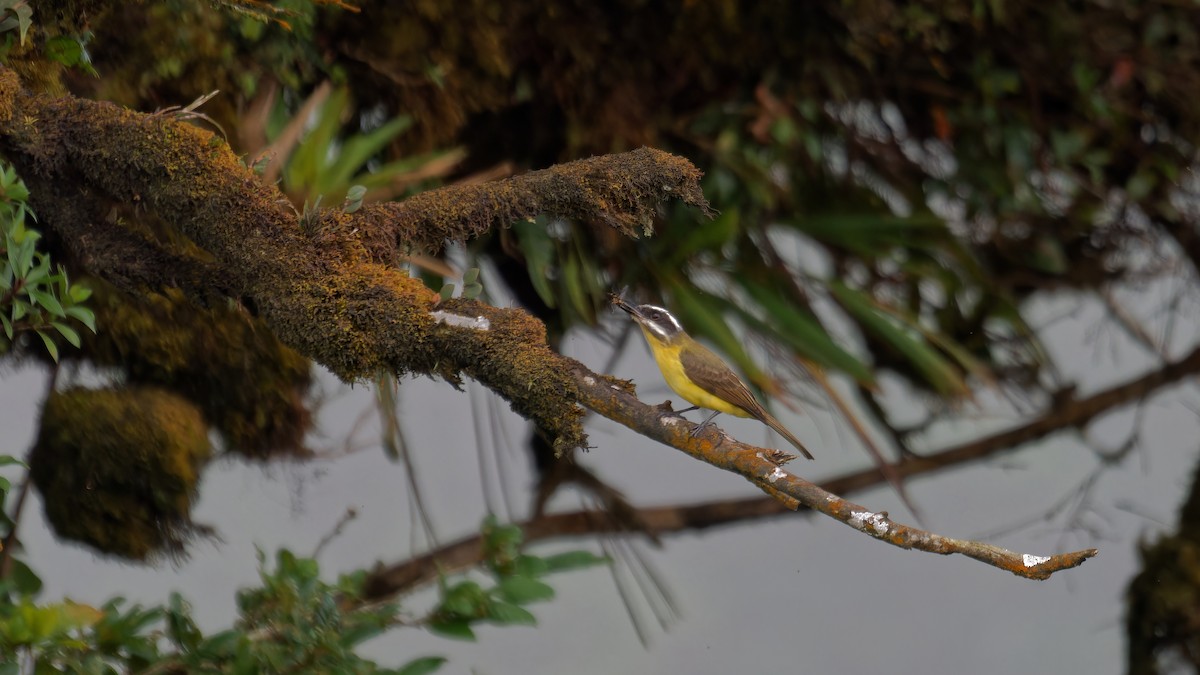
column 769, row 420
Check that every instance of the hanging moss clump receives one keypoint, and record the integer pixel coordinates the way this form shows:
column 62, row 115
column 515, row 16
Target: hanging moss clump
column 118, row 469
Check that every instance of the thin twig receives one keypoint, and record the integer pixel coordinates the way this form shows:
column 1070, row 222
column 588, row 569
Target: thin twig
column 348, row 516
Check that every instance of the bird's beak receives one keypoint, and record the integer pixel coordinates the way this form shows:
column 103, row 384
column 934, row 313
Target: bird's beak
column 632, row 310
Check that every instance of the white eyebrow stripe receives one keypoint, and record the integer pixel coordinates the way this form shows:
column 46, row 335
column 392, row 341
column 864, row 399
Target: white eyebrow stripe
column 669, row 317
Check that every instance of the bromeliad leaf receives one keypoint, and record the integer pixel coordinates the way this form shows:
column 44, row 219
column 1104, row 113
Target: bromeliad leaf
column 796, row 327
column 937, row 371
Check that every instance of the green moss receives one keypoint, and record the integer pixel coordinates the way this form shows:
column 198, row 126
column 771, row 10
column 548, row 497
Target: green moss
column 118, row 469
column 530, row 376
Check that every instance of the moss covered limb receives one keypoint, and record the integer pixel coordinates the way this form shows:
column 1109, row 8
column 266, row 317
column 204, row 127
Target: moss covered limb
column 539, row 384
column 316, row 284
column 131, row 260
column 621, row 190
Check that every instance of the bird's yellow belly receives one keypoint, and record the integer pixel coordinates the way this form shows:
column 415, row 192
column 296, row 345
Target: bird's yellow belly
column 672, row 370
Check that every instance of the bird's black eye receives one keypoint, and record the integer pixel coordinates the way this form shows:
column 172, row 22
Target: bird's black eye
column 656, row 315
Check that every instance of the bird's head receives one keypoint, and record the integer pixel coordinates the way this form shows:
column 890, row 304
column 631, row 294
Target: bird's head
column 656, row 322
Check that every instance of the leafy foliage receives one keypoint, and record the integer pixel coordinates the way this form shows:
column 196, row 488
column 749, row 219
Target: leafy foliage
column 516, row 580
column 291, row 622
column 327, row 162
column 35, row 296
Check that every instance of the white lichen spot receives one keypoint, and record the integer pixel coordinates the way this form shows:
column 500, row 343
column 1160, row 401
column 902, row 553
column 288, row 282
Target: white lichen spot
column 671, row 421
column 1034, row 560
column 775, row 475
column 459, row 321
column 760, row 456
column 589, row 380
column 877, row 521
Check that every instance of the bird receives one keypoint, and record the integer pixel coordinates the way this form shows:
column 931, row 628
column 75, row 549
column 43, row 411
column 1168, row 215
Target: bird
column 696, row 373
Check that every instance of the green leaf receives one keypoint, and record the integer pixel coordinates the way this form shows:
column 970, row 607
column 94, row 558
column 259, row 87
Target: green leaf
column 39, row 273
column 505, row 614
column 530, row 566
column 458, row 629
column 23, row 17
column 9, row 460
column 446, row 293
column 8, row 327
column 46, row 300
column 20, row 256
column 69, row 51
column 20, row 309
column 872, row 233
column 67, row 332
column 711, row 235
column 538, row 249
column 471, row 275
column 573, row 270
column 521, row 590
column 360, row 634
column 422, row 666
column 221, row 645
column 50, row 346
column 180, row 626
column 360, row 148
column 354, row 198
column 83, row 315
column 574, row 560
column 79, row 293
column 306, row 168
column 463, row 599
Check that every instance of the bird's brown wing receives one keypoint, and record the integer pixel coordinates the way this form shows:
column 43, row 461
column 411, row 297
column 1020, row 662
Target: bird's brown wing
column 709, row 371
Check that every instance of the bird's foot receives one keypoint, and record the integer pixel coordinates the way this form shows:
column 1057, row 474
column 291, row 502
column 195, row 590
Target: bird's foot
column 696, row 431
column 779, row 457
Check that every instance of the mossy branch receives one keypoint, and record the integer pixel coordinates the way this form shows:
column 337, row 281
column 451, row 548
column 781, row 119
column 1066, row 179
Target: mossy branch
column 327, row 287
column 621, row 191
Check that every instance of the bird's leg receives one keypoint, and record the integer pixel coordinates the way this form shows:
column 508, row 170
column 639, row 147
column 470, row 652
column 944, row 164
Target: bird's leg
column 704, row 425
column 680, row 412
